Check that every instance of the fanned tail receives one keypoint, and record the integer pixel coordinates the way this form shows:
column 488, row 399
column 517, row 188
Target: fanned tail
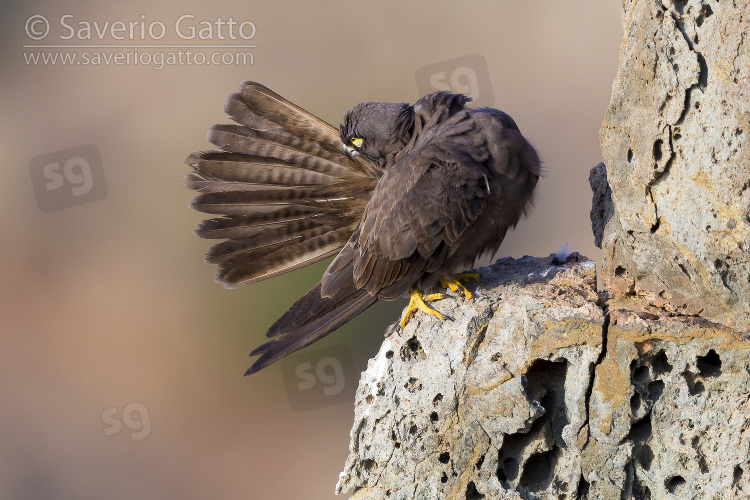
column 287, row 193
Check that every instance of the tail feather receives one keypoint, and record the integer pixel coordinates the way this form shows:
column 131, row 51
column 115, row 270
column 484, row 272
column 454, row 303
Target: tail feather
column 255, row 100
column 237, row 203
column 286, row 257
column 264, row 242
column 289, row 195
column 207, row 184
column 258, row 107
column 299, row 327
column 243, row 168
column 250, row 225
column 241, row 139
column 298, row 196
column 264, row 129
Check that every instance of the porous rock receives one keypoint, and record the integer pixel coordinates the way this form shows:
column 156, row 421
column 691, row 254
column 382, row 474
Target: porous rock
column 490, row 403
column 532, row 391
column 675, row 144
column 669, row 410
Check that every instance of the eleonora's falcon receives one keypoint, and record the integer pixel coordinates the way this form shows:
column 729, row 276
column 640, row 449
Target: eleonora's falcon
column 406, row 198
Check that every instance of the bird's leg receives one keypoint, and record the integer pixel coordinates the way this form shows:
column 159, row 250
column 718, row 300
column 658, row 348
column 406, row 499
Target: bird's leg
column 417, row 302
column 454, row 284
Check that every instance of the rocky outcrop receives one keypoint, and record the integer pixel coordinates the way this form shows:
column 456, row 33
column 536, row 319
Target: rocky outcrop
column 675, row 142
column 532, row 391
column 669, row 410
column 494, row 401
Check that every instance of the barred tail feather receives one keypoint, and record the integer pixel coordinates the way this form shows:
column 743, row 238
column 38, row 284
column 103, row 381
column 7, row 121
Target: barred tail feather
column 282, row 258
column 288, row 195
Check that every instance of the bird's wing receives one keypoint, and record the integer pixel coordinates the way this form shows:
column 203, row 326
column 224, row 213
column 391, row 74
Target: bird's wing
column 425, row 210
column 417, row 217
column 288, row 194
column 309, row 319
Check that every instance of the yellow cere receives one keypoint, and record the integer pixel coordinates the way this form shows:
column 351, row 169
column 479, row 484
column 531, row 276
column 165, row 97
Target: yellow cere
column 357, row 142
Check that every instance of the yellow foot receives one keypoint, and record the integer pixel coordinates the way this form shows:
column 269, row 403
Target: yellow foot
column 454, row 284
column 417, row 302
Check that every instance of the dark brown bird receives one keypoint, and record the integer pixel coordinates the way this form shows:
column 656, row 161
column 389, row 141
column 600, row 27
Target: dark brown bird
column 405, row 196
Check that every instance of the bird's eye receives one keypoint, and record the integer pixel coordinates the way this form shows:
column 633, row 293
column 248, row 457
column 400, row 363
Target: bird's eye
column 356, row 142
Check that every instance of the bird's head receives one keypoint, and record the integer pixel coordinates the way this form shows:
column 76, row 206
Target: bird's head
column 377, row 130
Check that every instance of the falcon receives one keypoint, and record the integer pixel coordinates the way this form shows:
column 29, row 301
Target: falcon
column 406, row 197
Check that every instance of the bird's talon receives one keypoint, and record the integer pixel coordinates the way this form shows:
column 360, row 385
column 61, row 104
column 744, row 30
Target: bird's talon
column 454, row 284
column 417, row 302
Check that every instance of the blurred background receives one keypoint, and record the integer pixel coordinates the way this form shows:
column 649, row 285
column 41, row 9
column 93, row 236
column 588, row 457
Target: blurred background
column 121, row 360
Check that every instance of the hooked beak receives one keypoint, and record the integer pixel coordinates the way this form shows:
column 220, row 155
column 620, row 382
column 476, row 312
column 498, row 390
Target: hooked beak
column 350, row 152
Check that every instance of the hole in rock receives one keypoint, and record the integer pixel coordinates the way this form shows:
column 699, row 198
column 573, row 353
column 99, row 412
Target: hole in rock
column 705, row 13
column 694, row 387
column 413, row 384
column 710, row 364
column 645, row 457
column 635, row 403
column 640, row 375
column 657, row 149
column 472, row 493
column 583, row 488
column 507, row 470
column 539, row 470
column 412, row 350
column 674, row 484
column 660, row 363
column 641, row 430
column 655, row 389
column 679, row 5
